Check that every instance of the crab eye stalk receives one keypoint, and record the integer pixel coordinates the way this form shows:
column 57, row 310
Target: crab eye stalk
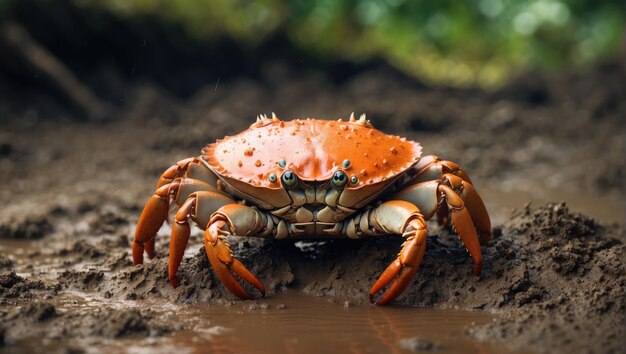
column 339, row 179
column 354, row 179
column 272, row 177
column 289, row 179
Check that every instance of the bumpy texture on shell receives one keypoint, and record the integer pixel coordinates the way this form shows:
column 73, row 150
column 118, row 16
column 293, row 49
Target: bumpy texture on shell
column 314, row 149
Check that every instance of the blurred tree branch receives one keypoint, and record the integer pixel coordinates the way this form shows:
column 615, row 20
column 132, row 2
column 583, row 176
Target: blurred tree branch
column 21, row 55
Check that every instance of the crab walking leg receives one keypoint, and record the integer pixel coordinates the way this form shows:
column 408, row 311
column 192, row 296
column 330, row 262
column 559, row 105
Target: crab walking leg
column 404, row 267
column 432, row 167
column 430, row 196
column 397, row 217
column 463, row 225
column 156, row 210
column 150, row 221
column 198, row 207
column 176, row 170
column 474, row 205
column 234, row 219
column 191, row 167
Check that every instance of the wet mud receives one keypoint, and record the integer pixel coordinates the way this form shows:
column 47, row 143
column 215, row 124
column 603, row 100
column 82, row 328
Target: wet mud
column 553, row 278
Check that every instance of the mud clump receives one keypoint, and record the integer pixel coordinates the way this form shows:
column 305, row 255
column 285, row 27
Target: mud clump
column 40, row 319
column 83, row 250
column 108, row 222
column 12, row 286
column 124, row 323
column 38, row 312
column 25, row 226
column 7, row 280
column 81, row 280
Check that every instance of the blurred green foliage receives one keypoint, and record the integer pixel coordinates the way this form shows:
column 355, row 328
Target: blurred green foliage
column 453, row 42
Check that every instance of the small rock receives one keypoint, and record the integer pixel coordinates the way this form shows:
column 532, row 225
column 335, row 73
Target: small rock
column 256, row 306
column 124, row 323
column 74, row 350
column 5, row 262
column 416, row 344
column 8, row 279
column 40, row 311
column 6, row 149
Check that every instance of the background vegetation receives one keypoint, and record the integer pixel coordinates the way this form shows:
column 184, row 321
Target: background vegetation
column 449, row 42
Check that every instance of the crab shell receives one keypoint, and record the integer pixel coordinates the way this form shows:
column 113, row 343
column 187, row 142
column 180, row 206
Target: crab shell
column 314, row 149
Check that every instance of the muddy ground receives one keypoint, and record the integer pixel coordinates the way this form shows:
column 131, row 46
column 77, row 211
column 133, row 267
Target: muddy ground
column 72, row 193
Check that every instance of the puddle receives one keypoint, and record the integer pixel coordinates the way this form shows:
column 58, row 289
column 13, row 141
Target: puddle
column 285, row 323
column 314, row 325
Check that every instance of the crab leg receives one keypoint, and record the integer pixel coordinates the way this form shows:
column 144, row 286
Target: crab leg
column 156, row 210
column 462, row 222
column 405, row 266
column 150, row 221
column 228, row 220
column 432, row 167
column 432, row 196
column 191, row 167
column 198, row 207
column 474, row 205
column 179, row 238
column 397, row 217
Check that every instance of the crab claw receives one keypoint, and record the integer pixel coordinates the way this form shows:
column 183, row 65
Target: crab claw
column 224, row 264
column 404, row 267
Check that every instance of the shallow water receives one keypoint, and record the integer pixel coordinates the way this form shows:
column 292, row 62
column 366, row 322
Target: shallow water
column 285, row 323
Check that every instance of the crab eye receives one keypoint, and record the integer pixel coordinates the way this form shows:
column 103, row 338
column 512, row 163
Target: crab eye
column 339, row 179
column 354, row 179
column 272, row 178
column 289, row 179
column 282, row 163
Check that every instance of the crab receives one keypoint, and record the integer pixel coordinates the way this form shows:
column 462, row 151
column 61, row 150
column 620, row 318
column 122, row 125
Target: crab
column 312, row 178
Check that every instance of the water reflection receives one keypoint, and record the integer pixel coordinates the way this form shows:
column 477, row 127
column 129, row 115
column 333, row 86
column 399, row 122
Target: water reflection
column 285, row 323
column 314, row 325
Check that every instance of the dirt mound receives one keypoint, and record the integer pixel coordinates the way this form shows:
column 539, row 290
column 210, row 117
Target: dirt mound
column 566, row 286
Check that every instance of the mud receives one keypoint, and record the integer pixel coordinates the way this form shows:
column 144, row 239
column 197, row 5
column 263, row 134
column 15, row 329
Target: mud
column 554, row 276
